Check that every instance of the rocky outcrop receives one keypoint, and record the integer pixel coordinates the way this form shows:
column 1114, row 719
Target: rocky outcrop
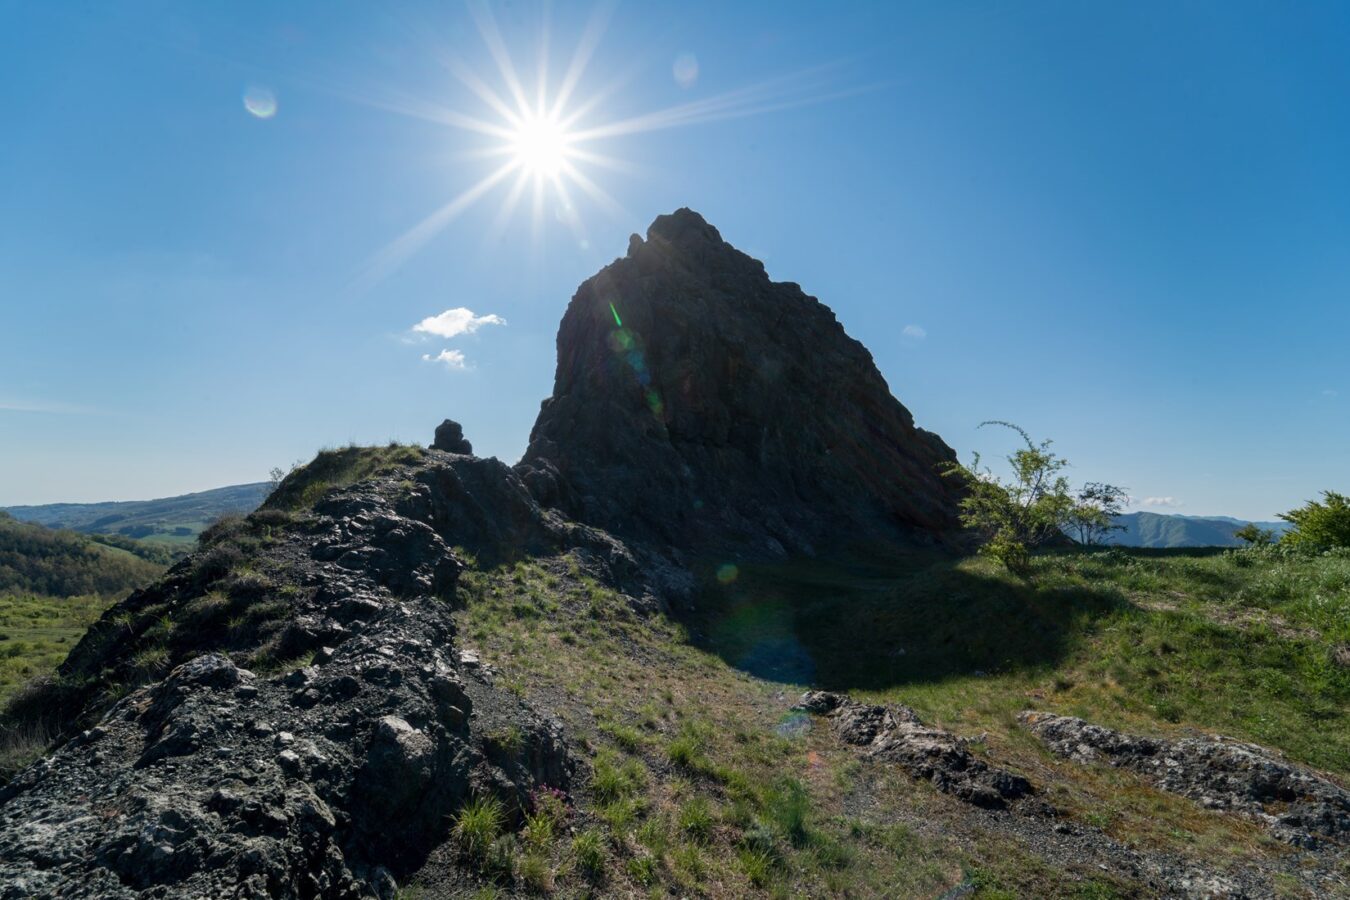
column 1295, row 804
column 450, row 438
column 328, row 777
column 895, row 734
column 699, row 404
column 288, row 712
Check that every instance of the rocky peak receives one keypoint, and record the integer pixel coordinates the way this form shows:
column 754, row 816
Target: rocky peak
column 699, row 404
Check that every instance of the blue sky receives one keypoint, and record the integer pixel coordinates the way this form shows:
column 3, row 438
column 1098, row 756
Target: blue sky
column 1123, row 226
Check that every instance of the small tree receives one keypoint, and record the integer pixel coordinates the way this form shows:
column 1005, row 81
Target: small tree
column 1093, row 514
column 1024, row 512
column 1035, row 506
column 1320, row 524
column 1254, row 535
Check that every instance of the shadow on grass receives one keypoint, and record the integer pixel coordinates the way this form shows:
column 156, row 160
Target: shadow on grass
column 857, row 625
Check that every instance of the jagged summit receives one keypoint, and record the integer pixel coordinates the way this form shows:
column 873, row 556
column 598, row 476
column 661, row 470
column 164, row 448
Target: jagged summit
column 700, row 404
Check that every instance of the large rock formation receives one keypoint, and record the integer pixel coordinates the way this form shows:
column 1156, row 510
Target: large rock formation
column 699, row 404
column 288, row 713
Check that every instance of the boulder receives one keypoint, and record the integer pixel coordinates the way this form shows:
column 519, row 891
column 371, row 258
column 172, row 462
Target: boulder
column 450, row 438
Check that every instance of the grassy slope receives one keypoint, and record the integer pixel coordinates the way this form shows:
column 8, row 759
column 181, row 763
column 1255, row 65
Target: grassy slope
column 53, row 586
column 704, row 783
column 37, row 632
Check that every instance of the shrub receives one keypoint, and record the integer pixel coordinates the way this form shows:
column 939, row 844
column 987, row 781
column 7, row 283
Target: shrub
column 1254, row 535
column 1320, row 525
column 1034, row 506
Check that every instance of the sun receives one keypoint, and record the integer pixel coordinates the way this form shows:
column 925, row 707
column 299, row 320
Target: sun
column 539, row 145
column 546, row 140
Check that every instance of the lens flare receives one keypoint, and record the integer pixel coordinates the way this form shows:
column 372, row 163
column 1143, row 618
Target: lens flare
column 260, row 102
column 685, row 70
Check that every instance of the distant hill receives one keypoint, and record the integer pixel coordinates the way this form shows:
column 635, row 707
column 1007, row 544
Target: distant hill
column 170, row 520
column 1146, row 529
column 38, row 560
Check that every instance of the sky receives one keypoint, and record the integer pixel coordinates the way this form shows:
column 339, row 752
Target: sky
column 231, row 234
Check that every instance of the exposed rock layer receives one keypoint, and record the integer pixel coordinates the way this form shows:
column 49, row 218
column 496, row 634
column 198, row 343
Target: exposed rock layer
column 1297, row 805
column 699, row 404
column 895, row 734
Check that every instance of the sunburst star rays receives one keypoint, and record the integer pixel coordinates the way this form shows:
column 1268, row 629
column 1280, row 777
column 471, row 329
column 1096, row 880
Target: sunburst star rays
column 548, row 136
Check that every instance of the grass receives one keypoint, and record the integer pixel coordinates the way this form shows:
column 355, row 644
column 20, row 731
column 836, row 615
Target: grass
column 478, row 826
column 37, row 632
column 1239, row 642
column 335, row 468
column 694, row 790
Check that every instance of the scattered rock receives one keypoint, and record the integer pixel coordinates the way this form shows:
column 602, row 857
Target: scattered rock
column 1295, row 804
column 895, row 734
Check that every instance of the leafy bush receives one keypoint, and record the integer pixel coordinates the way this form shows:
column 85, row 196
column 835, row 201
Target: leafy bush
column 1322, row 525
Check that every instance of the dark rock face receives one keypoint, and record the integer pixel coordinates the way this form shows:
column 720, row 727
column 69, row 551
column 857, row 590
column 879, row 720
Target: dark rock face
column 327, row 779
column 450, row 438
column 1295, row 804
column 699, row 404
column 895, row 734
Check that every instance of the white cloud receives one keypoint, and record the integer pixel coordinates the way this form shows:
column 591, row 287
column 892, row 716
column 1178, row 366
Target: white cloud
column 453, row 359
column 457, row 321
column 1330, row 392
column 915, row 331
column 1161, row 501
